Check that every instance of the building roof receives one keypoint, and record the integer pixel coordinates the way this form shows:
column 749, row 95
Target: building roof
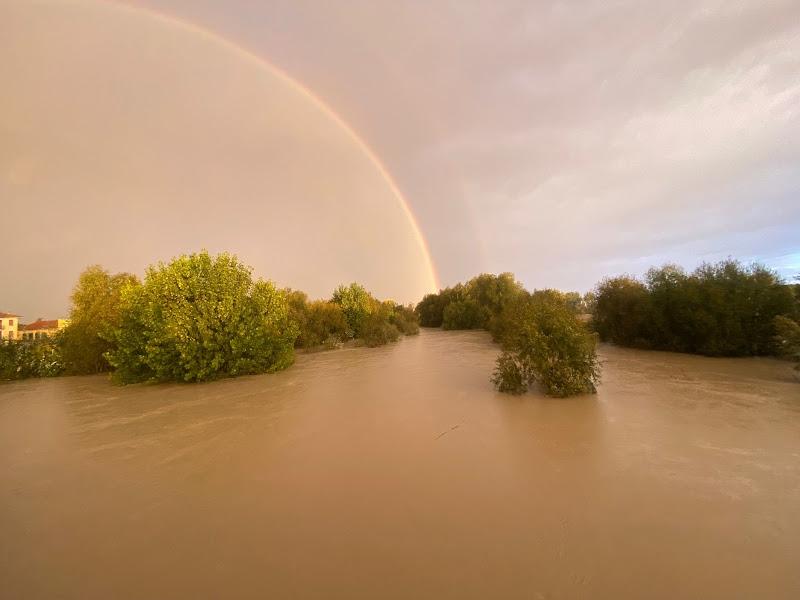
column 4, row 315
column 40, row 324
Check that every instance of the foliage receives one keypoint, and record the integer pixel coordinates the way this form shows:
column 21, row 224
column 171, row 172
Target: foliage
column 463, row 314
column 356, row 304
column 373, row 322
column 505, row 324
column 21, row 359
column 621, row 311
column 199, row 318
column 405, row 319
column 324, row 324
column 547, row 345
column 787, row 339
column 430, row 310
column 95, row 314
column 474, row 305
column 574, row 302
column 378, row 328
column 492, row 293
column 509, row 375
column 722, row 309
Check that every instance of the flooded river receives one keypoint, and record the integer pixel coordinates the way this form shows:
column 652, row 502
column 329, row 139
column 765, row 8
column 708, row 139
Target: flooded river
column 398, row 472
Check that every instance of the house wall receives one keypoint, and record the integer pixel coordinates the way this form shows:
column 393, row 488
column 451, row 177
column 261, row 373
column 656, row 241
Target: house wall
column 8, row 328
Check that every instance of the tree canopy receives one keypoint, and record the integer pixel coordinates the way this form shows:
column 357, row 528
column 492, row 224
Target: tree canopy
column 198, row 318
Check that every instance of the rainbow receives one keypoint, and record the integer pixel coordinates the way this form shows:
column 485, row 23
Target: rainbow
column 433, row 280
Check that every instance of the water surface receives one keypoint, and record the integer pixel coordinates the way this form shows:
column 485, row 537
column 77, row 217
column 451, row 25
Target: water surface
column 398, row 472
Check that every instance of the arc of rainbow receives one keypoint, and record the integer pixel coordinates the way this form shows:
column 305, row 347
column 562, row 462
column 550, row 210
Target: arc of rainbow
column 212, row 37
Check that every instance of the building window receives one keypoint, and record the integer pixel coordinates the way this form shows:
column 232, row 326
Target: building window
column 11, row 322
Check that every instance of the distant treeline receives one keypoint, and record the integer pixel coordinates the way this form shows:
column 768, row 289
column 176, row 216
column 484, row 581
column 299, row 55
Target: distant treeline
column 721, row 309
column 480, row 302
column 543, row 339
column 199, row 317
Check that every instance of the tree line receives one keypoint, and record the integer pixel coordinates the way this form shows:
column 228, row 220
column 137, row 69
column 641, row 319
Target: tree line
column 720, row 309
column 198, row 318
column 201, row 317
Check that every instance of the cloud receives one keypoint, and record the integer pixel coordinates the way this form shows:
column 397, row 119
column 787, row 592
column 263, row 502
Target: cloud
column 560, row 140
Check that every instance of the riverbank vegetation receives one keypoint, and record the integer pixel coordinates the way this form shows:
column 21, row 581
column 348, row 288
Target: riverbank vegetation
column 542, row 336
column 351, row 315
column 31, row 358
column 201, row 317
column 721, row 309
column 197, row 318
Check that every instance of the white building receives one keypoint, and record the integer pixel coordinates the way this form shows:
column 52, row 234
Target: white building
column 9, row 323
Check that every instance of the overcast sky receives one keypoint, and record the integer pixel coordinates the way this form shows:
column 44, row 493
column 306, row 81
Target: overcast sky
column 562, row 141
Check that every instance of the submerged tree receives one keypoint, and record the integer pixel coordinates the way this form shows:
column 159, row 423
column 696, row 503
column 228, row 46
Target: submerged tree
column 201, row 317
column 96, row 312
column 548, row 345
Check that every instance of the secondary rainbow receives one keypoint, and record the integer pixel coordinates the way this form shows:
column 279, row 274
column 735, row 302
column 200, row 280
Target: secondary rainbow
column 210, row 36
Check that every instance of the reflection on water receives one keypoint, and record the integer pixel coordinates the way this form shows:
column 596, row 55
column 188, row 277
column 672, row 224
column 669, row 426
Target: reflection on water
column 398, row 472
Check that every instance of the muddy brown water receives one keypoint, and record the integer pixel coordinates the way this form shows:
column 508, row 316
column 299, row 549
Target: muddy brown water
column 398, row 472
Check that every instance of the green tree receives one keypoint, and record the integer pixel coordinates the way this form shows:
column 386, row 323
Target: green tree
column 356, row 304
column 95, row 314
column 550, row 346
column 463, row 314
column 492, row 293
column 405, row 319
column 431, row 308
column 672, row 307
column 622, row 309
column 787, row 339
column 201, row 317
column 377, row 327
column 324, row 325
column 476, row 304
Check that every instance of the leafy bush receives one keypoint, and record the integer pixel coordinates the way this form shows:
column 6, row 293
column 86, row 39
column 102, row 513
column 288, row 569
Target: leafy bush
column 21, row 359
column 199, row 318
column 378, row 331
column 405, row 319
column 463, row 314
column 787, row 339
column 510, row 376
column 550, row 346
column 8, row 360
column 95, row 314
column 492, row 293
column 324, row 325
column 356, row 304
column 373, row 322
column 622, row 308
column 430, row 310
